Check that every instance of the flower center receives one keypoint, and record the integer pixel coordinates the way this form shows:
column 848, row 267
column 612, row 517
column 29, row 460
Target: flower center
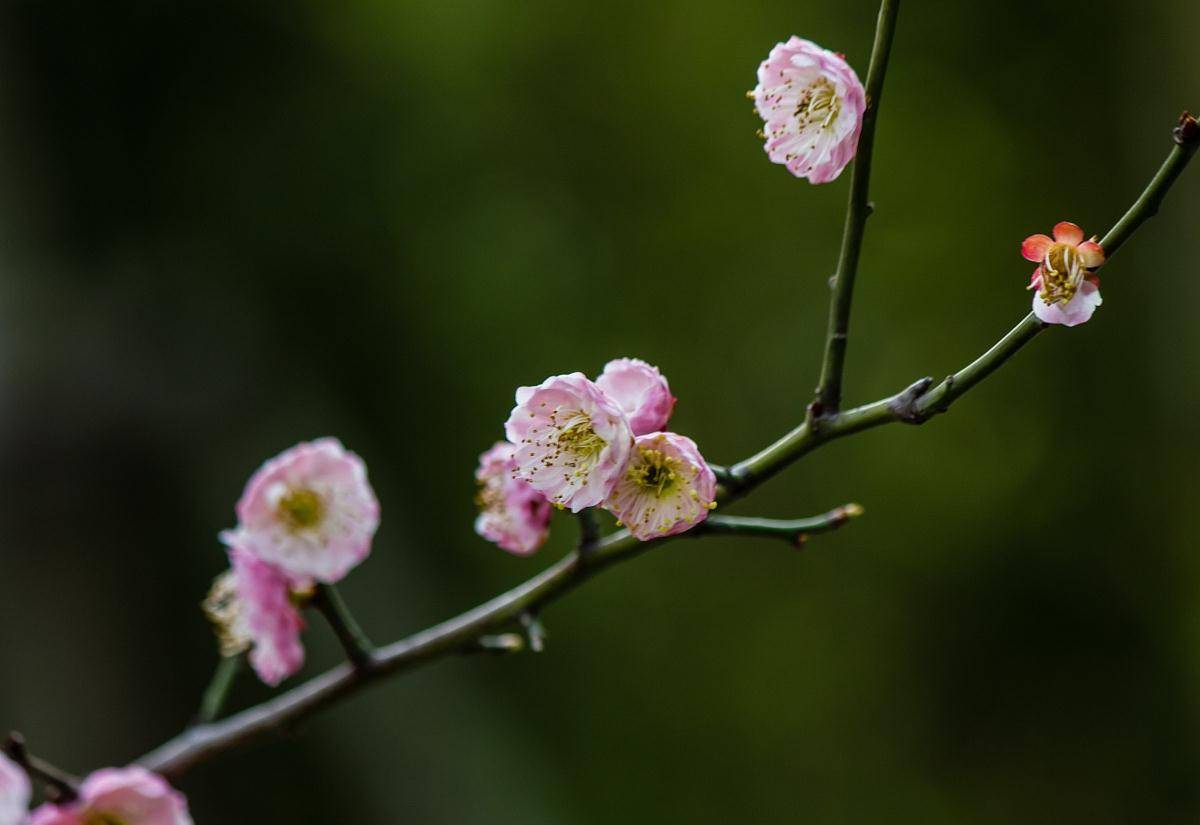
column 1062, row 273
column 300, row 509
column 100, row 818
column 578, row 438
column 818, row 104
column 656, row 472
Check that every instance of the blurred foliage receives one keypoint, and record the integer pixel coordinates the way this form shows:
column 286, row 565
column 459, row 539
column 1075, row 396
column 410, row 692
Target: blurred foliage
column 229, row 226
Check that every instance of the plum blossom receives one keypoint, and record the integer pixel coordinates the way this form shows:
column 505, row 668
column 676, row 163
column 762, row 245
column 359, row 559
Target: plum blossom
column 14, row 792
column 511, row 513
column 1067, row 292
column 310, row 512
column 641, row 391
column 119, row 796
column 572, row 440
column 252, row 608
column 812, row 106
column 667, row 487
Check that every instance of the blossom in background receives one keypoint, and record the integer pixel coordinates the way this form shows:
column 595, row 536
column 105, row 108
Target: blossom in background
column 812, row 105
column 251, row 607
column 511, row 512
column 310, row 512
column 641, row 391
column 1067, row 292
column 572, row 440
column 14, row 792
column 119, row 796
column 667, row 487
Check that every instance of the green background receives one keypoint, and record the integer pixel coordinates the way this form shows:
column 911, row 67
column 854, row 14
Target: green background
column 228, row 227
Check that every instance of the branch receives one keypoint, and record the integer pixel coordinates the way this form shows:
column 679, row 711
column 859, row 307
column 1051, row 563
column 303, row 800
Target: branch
column 328, row 601
column 218, row 689
column 915, row 404
column 794, row 531
column 921, row 401
column 829, row 390
column 63, row 786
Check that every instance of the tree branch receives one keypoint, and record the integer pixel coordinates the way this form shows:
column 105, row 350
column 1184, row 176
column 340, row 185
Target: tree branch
column 858, row 209
column 915, row 404
column 794, row 531
column 63, row 786
column 328, row 601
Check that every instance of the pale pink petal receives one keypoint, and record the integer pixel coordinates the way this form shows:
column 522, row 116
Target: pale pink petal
column 1034, row 247
column 14, row 792
column 128, row 796
column 512, row 513
column 641, row 391
column 1067, row 232
column 1076, row 311
column 267, row 616
column 1091, row 253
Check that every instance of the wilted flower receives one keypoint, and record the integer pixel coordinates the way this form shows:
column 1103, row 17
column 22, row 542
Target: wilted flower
column 1067, row 291
column 119, row 796
column 251, row 606
column 14, row 792
column 667, row 487
column 812, row 106
column 511, row 513
column 572, row 440
column 641, row 391
column 310, row 511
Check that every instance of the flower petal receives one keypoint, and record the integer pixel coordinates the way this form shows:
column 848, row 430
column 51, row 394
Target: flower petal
column 1034, row 247
column 1092, row 254
column 1076, row 311
column 1067, row 232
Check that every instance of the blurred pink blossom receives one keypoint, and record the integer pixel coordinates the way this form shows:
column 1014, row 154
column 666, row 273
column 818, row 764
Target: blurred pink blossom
column 14, row 792
column 310, row 512
column 667, row 487
column 119, row 796
column 812, row 105
column 511, row 513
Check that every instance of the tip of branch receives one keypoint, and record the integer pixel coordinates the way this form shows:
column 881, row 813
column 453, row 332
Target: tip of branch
column 852, row 510
column 1188, row 130
column 14, row 747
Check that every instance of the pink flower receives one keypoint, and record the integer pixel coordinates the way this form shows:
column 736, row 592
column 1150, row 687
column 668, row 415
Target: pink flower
column 667, row 487
column 252, row 609
column 572, row 440
column 14, row 792
column 119, row 796
column 812, row 105
column 641, row 391
column 310, row 511
column 511, row 513
column 1067, row 291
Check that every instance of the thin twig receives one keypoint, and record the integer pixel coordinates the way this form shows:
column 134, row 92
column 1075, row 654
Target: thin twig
column 218, row 689
column 63, row 787
column 794, row 531
column 915, row 404
column 858, row 209
column 328, row 601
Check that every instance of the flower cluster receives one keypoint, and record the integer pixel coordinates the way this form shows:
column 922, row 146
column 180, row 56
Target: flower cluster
column 1067, row 291
column 306, row 517
column 112, row 796
column 576, row 443
column 812, row 106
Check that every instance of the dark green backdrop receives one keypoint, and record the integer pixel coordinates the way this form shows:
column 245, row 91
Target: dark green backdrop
column 229, row 226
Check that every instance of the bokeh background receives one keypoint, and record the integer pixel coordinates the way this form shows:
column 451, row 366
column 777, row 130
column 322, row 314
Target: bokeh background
column 228, row 227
